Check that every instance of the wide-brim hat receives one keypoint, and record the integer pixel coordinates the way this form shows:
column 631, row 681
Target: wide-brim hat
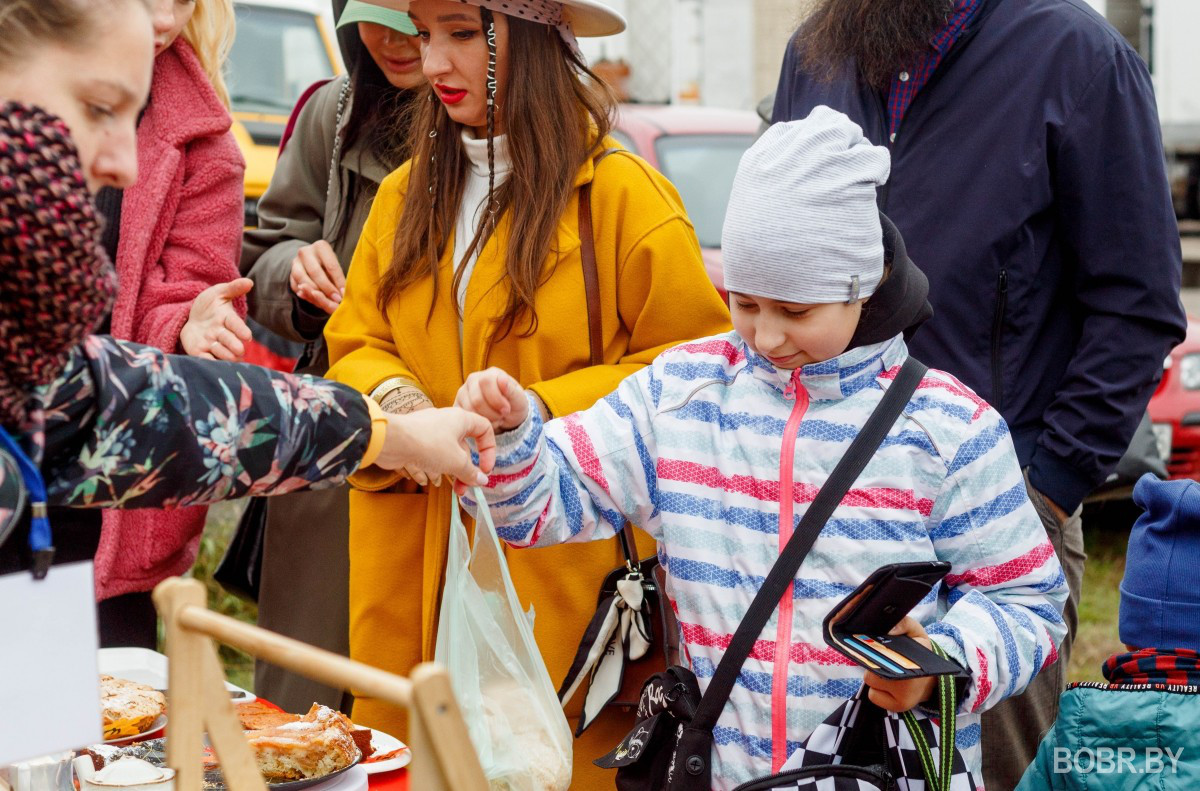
column 361, row 11
column 592, row 18
column 587, row 17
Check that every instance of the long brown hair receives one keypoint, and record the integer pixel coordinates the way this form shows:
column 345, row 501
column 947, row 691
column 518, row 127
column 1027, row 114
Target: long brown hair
column 379, row 118
column 554, row 120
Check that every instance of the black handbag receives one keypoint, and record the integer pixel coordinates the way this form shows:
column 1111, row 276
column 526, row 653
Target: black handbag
column 671, row 745
column 240, row 569
column 632, row 636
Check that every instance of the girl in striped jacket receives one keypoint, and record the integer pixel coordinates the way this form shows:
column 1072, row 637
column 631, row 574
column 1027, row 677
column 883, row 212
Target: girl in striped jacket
column 717, row 448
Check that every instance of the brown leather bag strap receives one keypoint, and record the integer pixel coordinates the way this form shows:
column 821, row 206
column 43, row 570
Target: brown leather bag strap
column 591, row 277
column 591, row 286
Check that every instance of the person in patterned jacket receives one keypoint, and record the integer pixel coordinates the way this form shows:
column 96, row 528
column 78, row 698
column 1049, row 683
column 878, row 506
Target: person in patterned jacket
column 717, row 448
column 111, row 423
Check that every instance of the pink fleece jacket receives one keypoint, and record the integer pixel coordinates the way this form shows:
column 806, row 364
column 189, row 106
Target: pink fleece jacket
column 181, row 232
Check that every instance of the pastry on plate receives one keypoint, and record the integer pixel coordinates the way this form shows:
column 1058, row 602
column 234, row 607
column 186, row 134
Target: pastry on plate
column 257, row 715
column 314, row 745
column 128, row 708
column 362, row 740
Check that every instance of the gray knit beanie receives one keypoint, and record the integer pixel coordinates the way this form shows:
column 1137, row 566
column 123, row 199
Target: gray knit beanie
column 802, row 223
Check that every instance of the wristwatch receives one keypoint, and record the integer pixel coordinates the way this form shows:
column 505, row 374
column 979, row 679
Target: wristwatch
column 388, row 385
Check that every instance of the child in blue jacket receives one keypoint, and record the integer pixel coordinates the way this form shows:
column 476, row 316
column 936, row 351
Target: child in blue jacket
column 1140, row 729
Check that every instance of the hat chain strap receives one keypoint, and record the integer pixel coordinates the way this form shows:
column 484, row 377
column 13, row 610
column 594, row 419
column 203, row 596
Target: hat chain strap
column 433, row 179
column 489, row 22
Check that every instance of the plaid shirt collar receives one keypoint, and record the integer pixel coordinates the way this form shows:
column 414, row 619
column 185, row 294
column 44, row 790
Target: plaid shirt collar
column 907, row 83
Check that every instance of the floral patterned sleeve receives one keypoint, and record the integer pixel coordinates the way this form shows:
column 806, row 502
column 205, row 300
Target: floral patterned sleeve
column 127, row 426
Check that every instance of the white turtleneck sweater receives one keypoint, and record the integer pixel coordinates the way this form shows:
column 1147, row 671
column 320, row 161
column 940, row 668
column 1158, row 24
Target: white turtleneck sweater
column 474, row 200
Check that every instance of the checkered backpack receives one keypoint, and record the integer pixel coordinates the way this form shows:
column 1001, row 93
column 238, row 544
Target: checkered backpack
column 861, row 747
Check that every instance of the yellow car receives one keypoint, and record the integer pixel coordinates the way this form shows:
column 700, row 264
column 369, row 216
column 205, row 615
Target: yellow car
column 281, row 48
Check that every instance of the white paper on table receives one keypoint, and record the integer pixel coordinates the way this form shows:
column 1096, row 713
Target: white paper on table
column 49, row 684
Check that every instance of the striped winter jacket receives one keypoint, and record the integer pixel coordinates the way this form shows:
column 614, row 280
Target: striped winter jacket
column 697, row 448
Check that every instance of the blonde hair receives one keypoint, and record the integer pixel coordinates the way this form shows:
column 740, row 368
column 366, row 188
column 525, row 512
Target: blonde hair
column 210, row 31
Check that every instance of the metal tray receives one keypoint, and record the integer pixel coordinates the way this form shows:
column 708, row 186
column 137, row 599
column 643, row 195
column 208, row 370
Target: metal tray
column 154, row 751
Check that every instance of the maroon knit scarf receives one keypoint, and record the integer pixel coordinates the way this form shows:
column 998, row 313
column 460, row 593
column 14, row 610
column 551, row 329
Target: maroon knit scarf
column 57, row 282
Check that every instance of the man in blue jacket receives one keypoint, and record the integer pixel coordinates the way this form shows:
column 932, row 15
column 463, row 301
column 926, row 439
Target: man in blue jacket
column 1029, row 182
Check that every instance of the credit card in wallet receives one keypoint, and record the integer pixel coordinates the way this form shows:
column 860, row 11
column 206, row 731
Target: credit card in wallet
column 855, row 655
column 880, row 645
column 875, row 655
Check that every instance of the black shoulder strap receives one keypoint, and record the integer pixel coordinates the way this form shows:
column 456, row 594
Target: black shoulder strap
column 784, row 571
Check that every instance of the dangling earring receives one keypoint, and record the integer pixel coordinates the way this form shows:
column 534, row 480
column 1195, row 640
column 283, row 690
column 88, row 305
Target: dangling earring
column 489, row 22
column 433, row 157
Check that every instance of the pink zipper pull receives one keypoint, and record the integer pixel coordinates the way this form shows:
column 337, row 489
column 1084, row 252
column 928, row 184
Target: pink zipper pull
column 789, row 392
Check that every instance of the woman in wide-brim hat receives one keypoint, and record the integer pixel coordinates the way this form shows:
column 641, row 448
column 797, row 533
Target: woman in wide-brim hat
column 471, row 257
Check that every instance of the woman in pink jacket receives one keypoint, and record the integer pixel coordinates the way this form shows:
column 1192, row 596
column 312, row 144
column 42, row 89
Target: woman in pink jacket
column 175, row 237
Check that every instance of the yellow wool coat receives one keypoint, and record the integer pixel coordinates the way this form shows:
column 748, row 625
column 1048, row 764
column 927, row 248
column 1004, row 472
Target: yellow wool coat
column 654, row 294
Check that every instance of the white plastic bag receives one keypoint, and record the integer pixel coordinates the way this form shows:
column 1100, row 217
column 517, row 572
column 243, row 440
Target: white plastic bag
column 486, row 642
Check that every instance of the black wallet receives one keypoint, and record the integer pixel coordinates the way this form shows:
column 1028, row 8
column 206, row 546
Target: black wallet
column 857, row 628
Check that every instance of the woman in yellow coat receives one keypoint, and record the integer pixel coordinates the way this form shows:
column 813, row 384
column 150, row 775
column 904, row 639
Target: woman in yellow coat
column 472, row 257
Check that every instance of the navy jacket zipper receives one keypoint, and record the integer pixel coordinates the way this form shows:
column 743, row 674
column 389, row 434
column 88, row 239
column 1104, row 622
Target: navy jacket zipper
column 997, row 399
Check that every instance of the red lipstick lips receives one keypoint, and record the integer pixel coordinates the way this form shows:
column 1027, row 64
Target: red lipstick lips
column 450, row 95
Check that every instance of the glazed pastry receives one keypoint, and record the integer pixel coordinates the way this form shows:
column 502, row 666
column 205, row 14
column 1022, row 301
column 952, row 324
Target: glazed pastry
column 313, row 746
column 128, row 708
column 257, row 715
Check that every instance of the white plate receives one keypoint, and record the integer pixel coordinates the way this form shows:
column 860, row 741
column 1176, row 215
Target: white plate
column 143, row 666
column 385, row 743
column 153, row 732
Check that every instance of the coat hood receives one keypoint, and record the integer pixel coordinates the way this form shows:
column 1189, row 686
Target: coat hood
column 901, row 302
column 349, row 43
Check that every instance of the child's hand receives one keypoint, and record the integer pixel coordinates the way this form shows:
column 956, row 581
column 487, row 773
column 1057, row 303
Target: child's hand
column 496, row 396
column 898, row 696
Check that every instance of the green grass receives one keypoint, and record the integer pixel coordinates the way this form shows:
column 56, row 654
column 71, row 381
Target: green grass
column 1097, row 635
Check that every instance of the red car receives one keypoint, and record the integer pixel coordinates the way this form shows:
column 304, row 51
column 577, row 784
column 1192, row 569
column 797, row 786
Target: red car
column 698, row 149
column 1175, row 407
